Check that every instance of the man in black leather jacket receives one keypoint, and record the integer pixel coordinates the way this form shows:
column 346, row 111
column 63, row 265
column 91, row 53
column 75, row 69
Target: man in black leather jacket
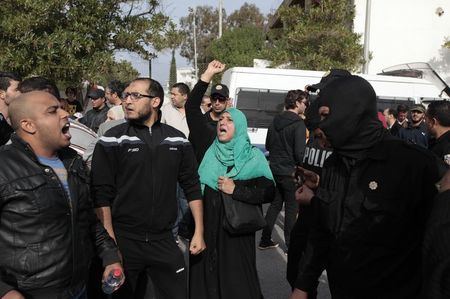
column 48, row 228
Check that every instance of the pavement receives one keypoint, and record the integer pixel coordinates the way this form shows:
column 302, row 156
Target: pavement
column 271, row 265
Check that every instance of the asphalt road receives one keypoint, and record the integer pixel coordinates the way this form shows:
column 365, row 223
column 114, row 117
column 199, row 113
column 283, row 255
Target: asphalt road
column 271, row 264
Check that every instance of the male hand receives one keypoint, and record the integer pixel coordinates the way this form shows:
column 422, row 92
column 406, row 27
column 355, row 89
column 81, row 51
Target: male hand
column 311, row 179
column 111, row 268
column 298, row 294
column 226, row 185
column 13, row 295
column 214, row 67
column 197, row 244
column 445, row 182
column 303, row 195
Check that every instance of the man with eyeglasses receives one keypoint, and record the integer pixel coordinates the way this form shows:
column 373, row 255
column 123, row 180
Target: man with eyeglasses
column 98, row 114
column 416, row 132
column 202, row 127
column 135, row 170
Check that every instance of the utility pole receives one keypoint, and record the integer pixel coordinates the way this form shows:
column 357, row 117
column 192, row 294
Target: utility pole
column 220, row 18
column 195, row 40
column 365, row 69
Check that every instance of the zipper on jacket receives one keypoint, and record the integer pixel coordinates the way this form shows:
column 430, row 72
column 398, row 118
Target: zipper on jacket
column 152, row 166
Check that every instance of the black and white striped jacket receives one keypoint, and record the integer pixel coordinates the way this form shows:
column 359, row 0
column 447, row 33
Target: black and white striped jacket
column 135, row 170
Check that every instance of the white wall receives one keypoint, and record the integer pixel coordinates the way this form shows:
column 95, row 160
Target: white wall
column 403, row 31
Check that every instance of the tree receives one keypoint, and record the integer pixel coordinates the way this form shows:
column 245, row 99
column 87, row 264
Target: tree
column 207, row 29
column 173, row 70
column 72, row 40
column 238, row 46
column 121, row 70
column 317, row 38
column 248, row 14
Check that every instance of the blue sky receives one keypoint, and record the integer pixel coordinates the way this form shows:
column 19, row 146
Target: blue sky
column 176, row 10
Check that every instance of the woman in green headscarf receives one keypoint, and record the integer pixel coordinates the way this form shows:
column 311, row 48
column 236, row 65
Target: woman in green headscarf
column 227, row 268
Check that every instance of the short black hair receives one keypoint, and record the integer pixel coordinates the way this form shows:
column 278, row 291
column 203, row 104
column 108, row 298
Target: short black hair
column 39, row 83
column 6, row 78
column 402, row 108
column 182, row 88
column 116, row 87
column 71, row 89
column 392, row 112
column 441, row 111
column 154, row 89
column 294, row 96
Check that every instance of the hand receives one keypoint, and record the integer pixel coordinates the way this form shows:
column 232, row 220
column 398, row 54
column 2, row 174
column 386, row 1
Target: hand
column 111, row 268
column 298, row 294
column 311, row 179
column 214, row 67
column 445, row 182
column 303, row 195
column 226, row 185
column 197, row 244
column 13, row 295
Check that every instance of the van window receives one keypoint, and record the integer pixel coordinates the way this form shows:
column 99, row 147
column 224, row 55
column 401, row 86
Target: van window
column 388, row 102
column 260, row 105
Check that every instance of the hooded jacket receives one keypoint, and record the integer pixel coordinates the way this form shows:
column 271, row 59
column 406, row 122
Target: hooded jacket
column 286, row 141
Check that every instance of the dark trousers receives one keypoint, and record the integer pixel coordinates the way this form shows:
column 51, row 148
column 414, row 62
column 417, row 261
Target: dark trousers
column 297, row 247
column 285, row 194
column 162, row 260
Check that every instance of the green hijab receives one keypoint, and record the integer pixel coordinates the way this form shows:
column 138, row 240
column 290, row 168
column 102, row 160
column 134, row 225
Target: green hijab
column 248, row 162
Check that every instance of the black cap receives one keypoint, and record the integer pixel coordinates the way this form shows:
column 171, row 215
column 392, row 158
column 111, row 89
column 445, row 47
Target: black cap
column 96, row 93
column 221, row 89
column 327, row 78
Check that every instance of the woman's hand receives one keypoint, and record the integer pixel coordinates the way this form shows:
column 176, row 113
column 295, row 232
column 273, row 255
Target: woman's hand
column 226, row 185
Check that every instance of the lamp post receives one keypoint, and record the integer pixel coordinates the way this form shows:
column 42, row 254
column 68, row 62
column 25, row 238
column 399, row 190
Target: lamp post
column 194, row 25
column 220, row 18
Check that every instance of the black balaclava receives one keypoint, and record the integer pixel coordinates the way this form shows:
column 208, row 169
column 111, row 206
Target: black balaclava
column 352, row 126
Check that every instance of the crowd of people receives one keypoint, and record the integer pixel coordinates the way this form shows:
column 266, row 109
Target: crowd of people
column 114, row 183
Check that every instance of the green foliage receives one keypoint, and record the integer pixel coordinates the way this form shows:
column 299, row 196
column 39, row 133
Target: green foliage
column 72, row 40
column 316, row 39
column 247, row 15
column 207, row 22
column 207, row 29
column 122, row 71
column 173, row 70
column 238, row 47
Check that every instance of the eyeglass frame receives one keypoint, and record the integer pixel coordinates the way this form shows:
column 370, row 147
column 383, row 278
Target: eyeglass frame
column 135, row 96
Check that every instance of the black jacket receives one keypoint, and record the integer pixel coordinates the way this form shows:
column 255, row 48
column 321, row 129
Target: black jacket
column 436, row 248
column 5, row 130
column 369, row 222
column 202, row 128
column 46, row 239
column 285, row 141
column 94, row 118
column 135, row 170
column 417, row 135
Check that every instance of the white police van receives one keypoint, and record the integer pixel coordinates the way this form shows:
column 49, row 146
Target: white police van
column 260, row 92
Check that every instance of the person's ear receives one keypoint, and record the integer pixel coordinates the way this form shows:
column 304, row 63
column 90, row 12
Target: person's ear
column 2, row 95
column 155, row 102
column 27, row 125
